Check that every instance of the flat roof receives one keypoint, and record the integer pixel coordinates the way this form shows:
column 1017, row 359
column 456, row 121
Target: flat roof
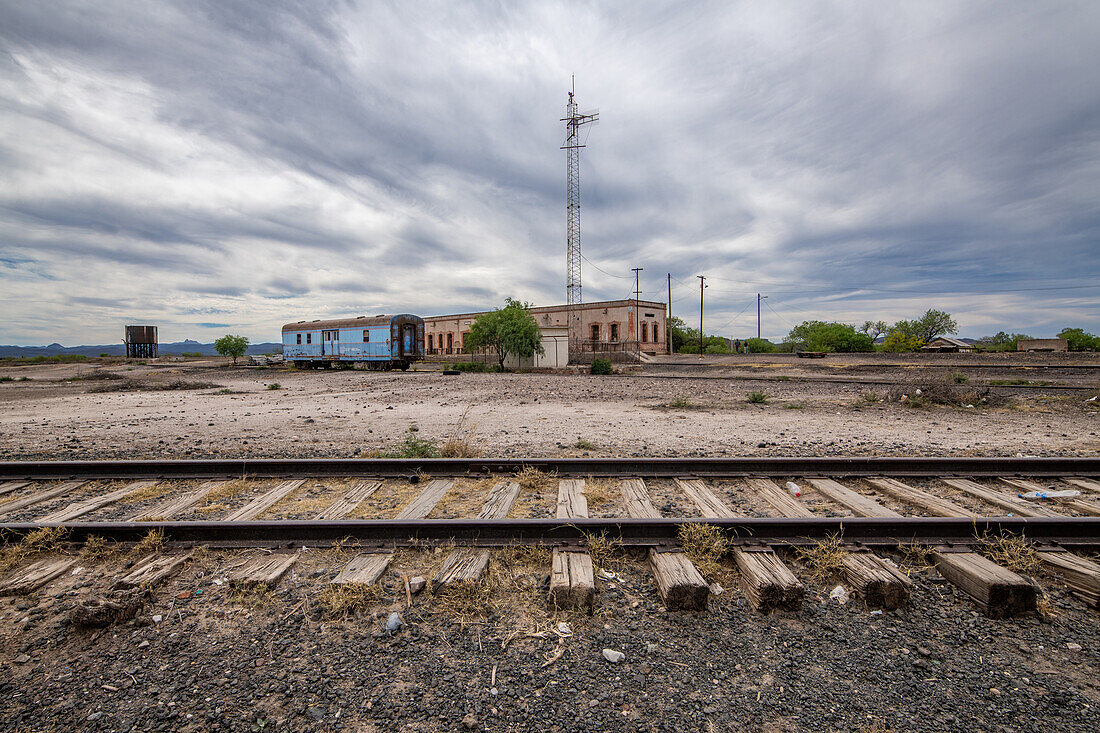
column 550, row 308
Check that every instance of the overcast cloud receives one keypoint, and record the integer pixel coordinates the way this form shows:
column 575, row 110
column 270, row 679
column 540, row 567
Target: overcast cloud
column 218, row 166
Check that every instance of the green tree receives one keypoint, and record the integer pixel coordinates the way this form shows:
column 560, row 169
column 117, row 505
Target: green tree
column 1001, row 341
column 896, row 341
column 682, row 336
column 932, row 324
column 232, row 346
column 1079, row 340
column 511, row 331
column 874, row 329
column 760, row 346
column 826, row 336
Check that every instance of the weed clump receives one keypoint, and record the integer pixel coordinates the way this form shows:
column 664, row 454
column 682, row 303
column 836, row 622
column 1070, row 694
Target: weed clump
column 923, row 394
column 705, row 544
column 274, row 385
column 757, row 398
column 341, row 600
column 37, row 542
column 600, row 547
column 456, row 447
column 915, row 556
column 1015, row 552
column 413, row 447
column 825, row 558
column 583, row 444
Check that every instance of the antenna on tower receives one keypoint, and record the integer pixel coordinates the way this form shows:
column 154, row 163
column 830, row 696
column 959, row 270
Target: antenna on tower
column 573, row 122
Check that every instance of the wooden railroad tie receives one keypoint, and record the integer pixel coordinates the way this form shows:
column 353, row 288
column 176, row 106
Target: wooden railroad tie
column 466, row 565
column 65, row 487
column 367, row 567
column 572, row 581
column 679, row 583
column 998, row 591
column 880, row 583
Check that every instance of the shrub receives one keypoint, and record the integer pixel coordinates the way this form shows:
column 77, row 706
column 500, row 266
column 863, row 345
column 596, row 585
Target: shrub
column 760, row 346
column 274, row 385
column 601, row 366
column 898, row 342
column 823, row 336
column 959, row 378
column 758, row 398
column 583, row 444
column 413, row 447
column 472, row 366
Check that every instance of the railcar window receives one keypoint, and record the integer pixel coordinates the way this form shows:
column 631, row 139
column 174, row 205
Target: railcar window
column 299, row 338
column 309, row 338
column 366, row 336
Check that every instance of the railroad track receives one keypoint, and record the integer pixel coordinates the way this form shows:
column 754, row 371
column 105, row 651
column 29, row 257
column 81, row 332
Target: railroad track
column 869, row 506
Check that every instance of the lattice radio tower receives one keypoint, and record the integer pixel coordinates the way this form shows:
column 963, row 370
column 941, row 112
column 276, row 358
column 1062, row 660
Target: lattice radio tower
column 572, row 146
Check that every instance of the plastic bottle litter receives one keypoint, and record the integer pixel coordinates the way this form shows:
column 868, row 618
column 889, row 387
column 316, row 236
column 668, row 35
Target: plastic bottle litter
column 1066, row 494
column 793, row 488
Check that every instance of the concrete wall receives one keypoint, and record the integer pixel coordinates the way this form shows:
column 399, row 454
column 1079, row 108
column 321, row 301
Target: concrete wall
column 1042, row 345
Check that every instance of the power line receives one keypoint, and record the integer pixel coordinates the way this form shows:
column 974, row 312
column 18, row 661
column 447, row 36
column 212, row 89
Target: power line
column 621, row 277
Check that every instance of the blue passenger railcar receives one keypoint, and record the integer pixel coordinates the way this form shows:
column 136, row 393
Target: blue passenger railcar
column 381, row 342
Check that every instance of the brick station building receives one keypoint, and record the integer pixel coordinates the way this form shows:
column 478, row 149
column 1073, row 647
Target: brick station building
column 607, row 327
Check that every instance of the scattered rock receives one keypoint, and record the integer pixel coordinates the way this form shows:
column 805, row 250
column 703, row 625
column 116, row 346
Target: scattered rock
column 716, row 589
column 97, row 613
column 416, row 584
column 1073, row 647
column 469, row 721
column 22, row 659
column 394, row 622
column 613, row 656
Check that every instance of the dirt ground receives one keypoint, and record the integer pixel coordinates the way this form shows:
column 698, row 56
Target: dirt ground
column 845, row 404
column 200, row 655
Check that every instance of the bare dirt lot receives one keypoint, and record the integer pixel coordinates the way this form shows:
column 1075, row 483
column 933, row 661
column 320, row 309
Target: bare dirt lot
column 682, row 406
column 200, row 655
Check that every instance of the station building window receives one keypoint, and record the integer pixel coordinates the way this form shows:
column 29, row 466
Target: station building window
column 595, row 332
column 645, row 330
column 655, row 339
column 614, row 331
column 429, row 342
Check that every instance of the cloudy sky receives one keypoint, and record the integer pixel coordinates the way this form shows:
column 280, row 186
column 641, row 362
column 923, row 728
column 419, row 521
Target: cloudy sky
column 221, row 166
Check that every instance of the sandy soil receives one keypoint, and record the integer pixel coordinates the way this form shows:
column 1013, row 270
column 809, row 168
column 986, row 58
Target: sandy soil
column 688, row 407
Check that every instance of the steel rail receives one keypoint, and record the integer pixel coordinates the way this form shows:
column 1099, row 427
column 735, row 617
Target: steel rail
column 1077, row 532
column 832, row 466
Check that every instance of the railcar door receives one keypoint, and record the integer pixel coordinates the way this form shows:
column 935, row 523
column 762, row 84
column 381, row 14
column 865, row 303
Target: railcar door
column 330, row 343
column 408, row 338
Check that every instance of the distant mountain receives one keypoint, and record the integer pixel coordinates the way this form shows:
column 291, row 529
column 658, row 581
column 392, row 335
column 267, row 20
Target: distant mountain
column 178, row 347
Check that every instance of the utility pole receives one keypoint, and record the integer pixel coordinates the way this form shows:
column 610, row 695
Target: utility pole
column 637, row 313
column 573, row 122
column 759, row 298
column 668, row 333
column 702, row 284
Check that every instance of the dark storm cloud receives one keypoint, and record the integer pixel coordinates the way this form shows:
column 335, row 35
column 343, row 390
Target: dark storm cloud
column 271, row 159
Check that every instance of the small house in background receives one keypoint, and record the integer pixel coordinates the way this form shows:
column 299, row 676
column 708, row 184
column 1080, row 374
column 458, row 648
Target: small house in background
column 1042, row 345
column 943, row 344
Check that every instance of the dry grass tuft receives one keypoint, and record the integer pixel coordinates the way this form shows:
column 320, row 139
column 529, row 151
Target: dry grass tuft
column 530, row 477
column 97, row 547
column 258, row 595
column 824, row 559
column 38, row 542
column 705, row 544
column 465, row 601
column 1015, row 552
column 149, row 492
column 153, row 541
column 456, row 447
column 915, row 556
column 214, row 498
column 600, row 547
column 599, row 491
column 339, row 601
